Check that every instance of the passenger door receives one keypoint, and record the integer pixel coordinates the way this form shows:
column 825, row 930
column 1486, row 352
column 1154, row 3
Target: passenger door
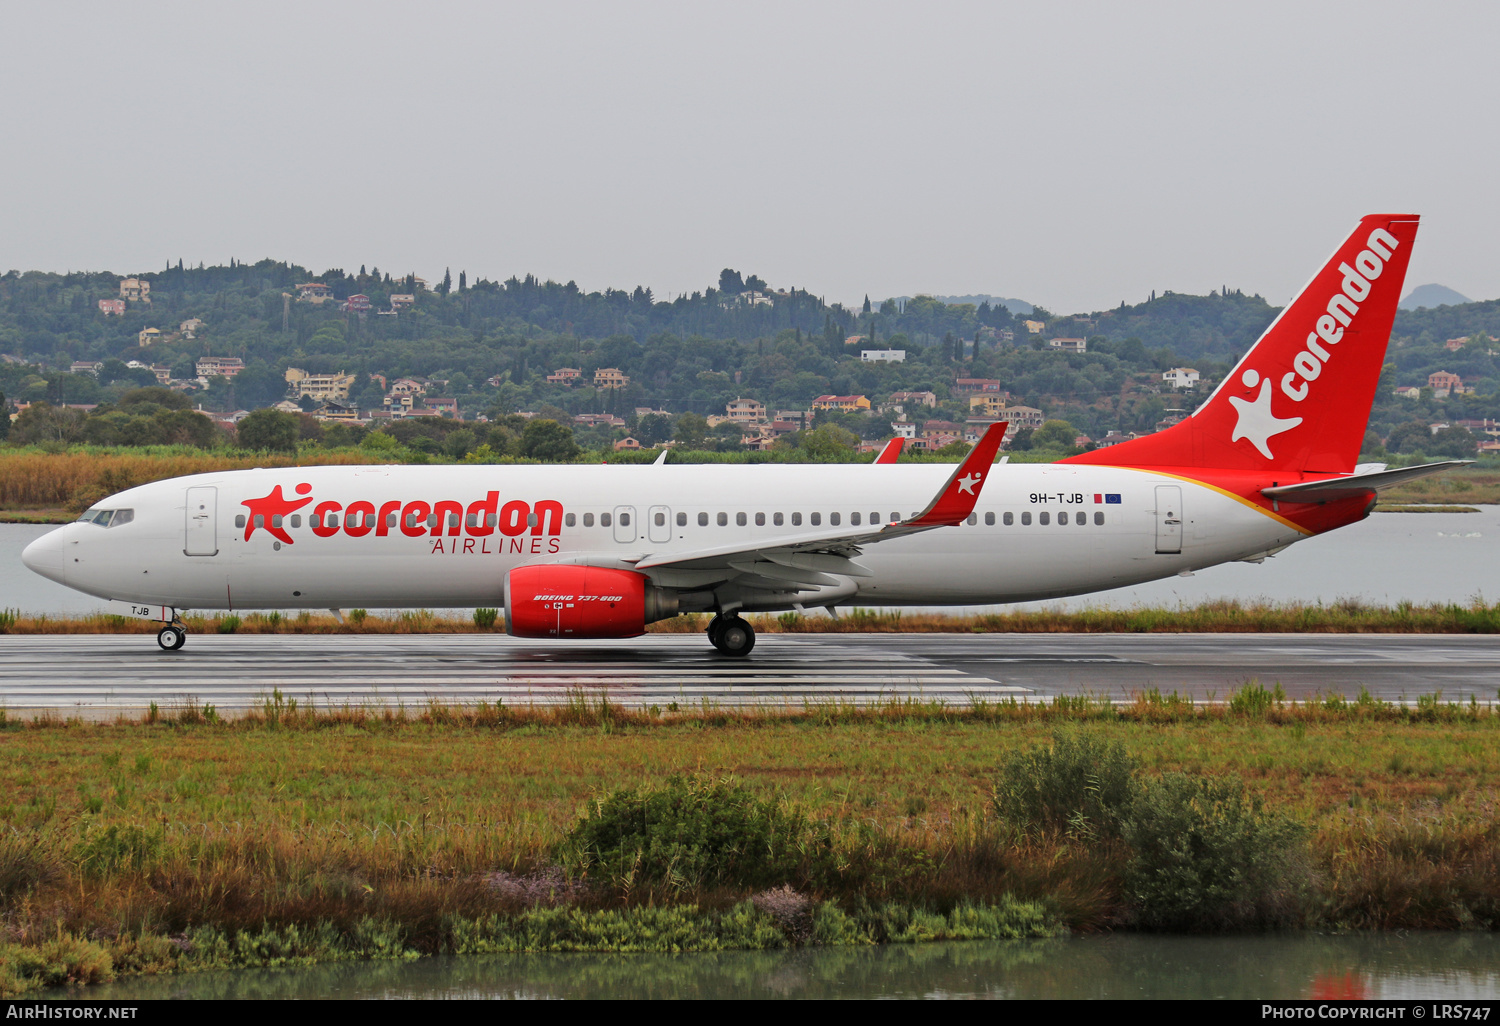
column 1168, row 519
column 200, row 526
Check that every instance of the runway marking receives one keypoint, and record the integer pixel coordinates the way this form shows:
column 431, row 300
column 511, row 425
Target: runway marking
column 106, row 674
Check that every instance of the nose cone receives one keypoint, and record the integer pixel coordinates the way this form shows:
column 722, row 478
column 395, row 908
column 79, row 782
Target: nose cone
column 45, row 556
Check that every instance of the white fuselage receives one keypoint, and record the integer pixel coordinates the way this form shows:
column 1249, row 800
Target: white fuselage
column 1039, row 531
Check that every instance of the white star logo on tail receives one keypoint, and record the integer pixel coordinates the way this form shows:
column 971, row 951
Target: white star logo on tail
column 967, row 483
column 1256, row 421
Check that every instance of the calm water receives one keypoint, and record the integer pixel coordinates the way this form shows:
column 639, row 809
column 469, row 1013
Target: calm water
column 1405, row 966
column 1419, row 557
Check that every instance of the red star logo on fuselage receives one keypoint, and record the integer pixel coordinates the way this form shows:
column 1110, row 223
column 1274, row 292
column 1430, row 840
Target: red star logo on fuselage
column 270, row 507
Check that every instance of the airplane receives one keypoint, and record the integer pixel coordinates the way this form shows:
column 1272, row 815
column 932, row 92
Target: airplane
column 575, row 552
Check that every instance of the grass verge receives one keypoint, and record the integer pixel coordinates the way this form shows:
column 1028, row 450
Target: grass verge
column 182, row 841
column 1226, row 616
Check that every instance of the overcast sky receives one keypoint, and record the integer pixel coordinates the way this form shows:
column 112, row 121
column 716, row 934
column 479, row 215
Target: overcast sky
column 1071, row 154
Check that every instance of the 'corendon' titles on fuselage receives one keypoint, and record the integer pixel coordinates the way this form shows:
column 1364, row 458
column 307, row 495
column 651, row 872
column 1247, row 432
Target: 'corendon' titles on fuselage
column 442, row 519
column 591, row 551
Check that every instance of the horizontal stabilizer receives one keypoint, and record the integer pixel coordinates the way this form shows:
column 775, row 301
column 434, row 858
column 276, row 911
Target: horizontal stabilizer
column 1333, row 488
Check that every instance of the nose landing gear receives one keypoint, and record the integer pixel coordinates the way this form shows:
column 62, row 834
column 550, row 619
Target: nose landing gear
column 171, row 638
column 731, row 635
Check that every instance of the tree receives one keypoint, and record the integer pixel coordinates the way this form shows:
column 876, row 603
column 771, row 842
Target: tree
column 692, row 429
column 446, row 285
column 1054, row 434
column 43, row 422
column 549, row 440
column 730, row 282
column 155, row 395
column 829, row 442
column 4, row 418
column 1413, row 436
column 184, row 368
column 269, row 431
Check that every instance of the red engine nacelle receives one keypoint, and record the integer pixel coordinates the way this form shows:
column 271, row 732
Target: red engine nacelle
column 581, row 602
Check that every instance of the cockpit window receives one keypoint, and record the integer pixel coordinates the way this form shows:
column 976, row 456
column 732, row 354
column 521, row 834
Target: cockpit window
column 107, row 517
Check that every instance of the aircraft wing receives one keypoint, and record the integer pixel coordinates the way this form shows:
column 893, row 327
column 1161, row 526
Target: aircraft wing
column 1358, row 484
column 795, row 562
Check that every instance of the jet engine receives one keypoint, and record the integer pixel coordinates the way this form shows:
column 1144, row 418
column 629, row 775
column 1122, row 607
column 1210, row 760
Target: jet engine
column 567, row 601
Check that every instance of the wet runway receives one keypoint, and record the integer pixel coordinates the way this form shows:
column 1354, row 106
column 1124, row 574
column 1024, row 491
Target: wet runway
column 100, row 675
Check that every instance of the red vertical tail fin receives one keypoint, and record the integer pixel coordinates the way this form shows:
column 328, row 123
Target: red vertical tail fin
column 1300, row 399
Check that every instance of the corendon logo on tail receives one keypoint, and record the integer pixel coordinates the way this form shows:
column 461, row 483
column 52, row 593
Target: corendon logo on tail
column 1256, row 423
column 453, row 526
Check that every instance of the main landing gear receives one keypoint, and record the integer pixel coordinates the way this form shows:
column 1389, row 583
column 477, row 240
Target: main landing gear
column 731, row 635
column 171, row 638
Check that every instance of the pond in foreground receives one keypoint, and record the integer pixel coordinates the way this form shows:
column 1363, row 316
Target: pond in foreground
column 1289, row 966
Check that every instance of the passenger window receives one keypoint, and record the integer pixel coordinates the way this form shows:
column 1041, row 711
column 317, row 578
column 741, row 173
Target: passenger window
column 973, row 519
column 260, row 520
column 796, row 519
column 531, row 520
column 605, row 520
column 723, row 519
column 275, row 520
column 739, row 520
column 472, row 520
column 1010, row 518
column 239, row 521
column 815, row 519
column 682, row 520
column 833, row 519
column 1026, row 520
column 989, row 520
column 588, row 520
column 854, row 519
column 624, row 519
column 702, row 519
column 1098, row 519
column 390, row 519
column 1044, row 518
column 432, row 520
column 661, row 520
column 296, row 519
column 453, row 520
column 570, row 519
column 1062, row 519
column 777, row 519
column 874, row 519
column 760, row 520
column 895, row 518
column 1080, row 518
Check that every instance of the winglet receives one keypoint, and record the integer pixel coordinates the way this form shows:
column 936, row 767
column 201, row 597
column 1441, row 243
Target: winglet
column 958, row 497
column 891, row 451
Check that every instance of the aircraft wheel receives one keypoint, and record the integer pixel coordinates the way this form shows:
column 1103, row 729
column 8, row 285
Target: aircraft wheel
column 715, row 632
column 171, row 638
column 736, row 637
